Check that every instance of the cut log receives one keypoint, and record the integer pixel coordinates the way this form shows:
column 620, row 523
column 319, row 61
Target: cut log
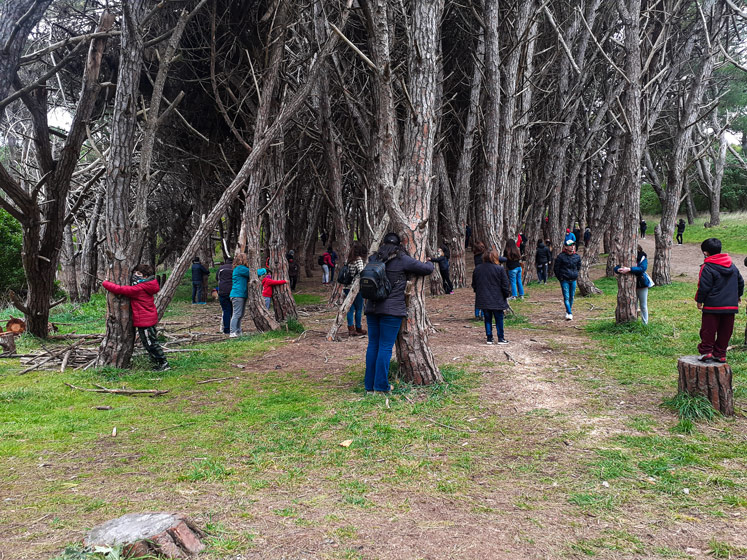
column 15, row 325
column 165, row 535
column 710, row 379
column 8, row 343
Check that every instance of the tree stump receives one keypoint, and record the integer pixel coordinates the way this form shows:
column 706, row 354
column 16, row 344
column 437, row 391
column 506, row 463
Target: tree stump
column 143, row 534
column 8, row 343
column 15, row 325
column 710, row 379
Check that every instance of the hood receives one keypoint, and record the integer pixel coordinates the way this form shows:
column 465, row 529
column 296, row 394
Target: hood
column 722, row 260
column 150, row 285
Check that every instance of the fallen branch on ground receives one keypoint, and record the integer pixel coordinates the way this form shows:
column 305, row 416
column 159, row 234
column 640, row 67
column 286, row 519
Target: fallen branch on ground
column 127, row 392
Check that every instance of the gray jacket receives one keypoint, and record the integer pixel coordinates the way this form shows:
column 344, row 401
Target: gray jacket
column 397, row 270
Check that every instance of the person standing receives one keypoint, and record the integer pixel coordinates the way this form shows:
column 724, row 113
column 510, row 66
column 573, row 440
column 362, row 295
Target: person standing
column 293, row 271
column 265, row 276
column 478, row 250
column 490, row 283
column 720, row 289
column 567, row 265
column 198, row 273
column 356, row 263
column 680, row 230
column 587, row 236
column 577, row 233
column 144, row 313
column 443, row 268
column 569, row 236
column 333, row 258
column 326, row 266
column 224, row 277
column 385, row 317
column 239, row 292
column 467, row 236
column 542, row 258
column 513, row 267
column 642, row 281
column 644, row 226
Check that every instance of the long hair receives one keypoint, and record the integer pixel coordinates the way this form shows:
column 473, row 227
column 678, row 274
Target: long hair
column 512, row 251
column 240, row 259
column 478, row 247
column 357, row 250
column 389, row 248
column 491, row 256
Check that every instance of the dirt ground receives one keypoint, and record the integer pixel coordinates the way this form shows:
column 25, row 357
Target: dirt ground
column 686, row 259
column 535, row 394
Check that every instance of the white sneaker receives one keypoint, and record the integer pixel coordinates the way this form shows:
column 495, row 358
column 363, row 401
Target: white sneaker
column 568, row 316
column 489, row 342
column 233, row 335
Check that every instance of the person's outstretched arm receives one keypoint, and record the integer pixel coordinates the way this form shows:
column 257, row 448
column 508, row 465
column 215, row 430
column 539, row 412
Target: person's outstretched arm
column 120, row 290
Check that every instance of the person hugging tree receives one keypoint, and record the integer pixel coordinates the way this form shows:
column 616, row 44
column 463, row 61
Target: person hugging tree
column 265, row 276
column 144, row 314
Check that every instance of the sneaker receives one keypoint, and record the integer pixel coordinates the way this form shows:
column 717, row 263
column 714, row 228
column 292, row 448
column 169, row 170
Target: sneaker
column 162, row 367
column 502, row 341
column 706, row 357
column 233, row 335
column 489, row 342
column 720, row 360
column 570, row 316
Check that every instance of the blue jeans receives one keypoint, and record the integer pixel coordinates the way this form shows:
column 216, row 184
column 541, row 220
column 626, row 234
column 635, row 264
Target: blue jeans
column 355, row 311
column 489, row 314
column 268, row 302
column 478, row 313
column 227, row 307
column 382, row 334
column 514, row 280
column 196, row 292
column 569, row 289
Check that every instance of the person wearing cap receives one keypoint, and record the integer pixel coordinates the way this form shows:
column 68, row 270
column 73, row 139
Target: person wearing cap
column 385, row 317
column 566, row 267
column 265, row 276
column 569, row 236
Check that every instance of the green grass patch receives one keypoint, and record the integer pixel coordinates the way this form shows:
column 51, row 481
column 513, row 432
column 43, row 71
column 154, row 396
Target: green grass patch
column 691, row 407
column 732, row 231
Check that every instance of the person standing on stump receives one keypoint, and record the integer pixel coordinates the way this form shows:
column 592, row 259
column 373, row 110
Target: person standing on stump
column 385, row 316
column 144, row 314
column 680, row 230
column 224, row 277
column 720, row 289
column 490, row 284
column 566, row 267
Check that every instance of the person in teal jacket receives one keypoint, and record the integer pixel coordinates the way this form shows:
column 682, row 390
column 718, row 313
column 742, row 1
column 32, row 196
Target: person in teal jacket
column 239, row 292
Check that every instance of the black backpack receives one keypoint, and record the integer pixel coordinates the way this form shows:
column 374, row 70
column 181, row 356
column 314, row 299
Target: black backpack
column 320, row 260
column 375, row 284
column 346, row 275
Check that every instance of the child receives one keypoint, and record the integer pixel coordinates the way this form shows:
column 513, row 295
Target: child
column 265, row 276
column 144, row 314
column 443, row 268
column 490, row 283
column 720, row 288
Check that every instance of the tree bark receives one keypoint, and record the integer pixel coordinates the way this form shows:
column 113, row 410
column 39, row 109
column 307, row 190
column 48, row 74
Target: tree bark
column 713, row 381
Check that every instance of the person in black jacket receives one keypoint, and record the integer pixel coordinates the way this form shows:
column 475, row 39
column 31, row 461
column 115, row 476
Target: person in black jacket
column 587, row 237
column 198, row 273
column 566, row 267
column 680, row 231
column 644, row 226
column 490, row 283
column 385, row 317
column 478, row 250
column 443, row 268
column 542, row 258
column 720, row 289
column 224, row 277
column 293, row 271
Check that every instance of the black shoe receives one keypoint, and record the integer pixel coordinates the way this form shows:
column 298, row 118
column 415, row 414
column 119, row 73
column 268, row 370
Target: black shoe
column 162, row 367
column 502, row 341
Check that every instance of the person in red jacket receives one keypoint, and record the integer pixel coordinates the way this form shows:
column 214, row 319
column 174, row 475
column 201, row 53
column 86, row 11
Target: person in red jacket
column 144, row 314
column 265, row 276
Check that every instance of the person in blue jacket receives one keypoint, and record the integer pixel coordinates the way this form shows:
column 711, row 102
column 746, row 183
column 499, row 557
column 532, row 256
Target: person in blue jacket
column 642, row 281
column 569, row 236
column 239, row 292
column 385, row 317
column 198, row 273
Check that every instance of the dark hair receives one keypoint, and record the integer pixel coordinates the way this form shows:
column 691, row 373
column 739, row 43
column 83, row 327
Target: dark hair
column 389, row 247
column 144, row 269
column 512, row 251
column 391, row 238
column 329, row 249
column 539, row 242
column 357, row 250
column 196, row 259
column 478, row 247
column 712, row 246
column 491, row 256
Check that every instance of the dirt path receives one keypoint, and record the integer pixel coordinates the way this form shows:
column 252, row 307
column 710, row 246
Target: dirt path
column 686, row 259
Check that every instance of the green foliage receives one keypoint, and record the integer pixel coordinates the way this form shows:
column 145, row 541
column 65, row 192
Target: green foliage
column 295, row 326
column 11, row 266
column 691, row 407
column 650, row 203
column 77, row 552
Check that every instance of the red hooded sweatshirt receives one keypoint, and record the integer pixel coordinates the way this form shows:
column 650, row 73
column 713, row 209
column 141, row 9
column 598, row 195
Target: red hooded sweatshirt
column 144, row 312
column 719, row 285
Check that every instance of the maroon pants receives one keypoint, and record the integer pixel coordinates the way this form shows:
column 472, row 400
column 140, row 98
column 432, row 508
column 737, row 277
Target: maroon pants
column 715, row 333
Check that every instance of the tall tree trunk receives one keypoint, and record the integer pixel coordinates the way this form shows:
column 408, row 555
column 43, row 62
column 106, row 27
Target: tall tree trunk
column 68, row 268
column 89, row 253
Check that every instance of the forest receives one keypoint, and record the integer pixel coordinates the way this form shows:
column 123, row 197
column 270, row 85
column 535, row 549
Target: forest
column 160, row 132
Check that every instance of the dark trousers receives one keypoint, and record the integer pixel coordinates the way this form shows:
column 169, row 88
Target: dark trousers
column 293, row 280
column 679, row 238
column 715, row 333
column 489, row 315
column 227, row 307
column 542, row 273
column 446, row 280
column 196, row 292
column 151, row 344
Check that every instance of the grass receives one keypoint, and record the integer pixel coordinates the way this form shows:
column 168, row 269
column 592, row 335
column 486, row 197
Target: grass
column 732, row 231
column 691, row 407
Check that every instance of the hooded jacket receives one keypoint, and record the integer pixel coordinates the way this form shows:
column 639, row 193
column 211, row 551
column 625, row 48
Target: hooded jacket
column 144, row 312
column 198, row 271
column 719, row 285
column 566, row 266
column 543, row 255
column 268, row 283
column 239, row 281
column 224, row 277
